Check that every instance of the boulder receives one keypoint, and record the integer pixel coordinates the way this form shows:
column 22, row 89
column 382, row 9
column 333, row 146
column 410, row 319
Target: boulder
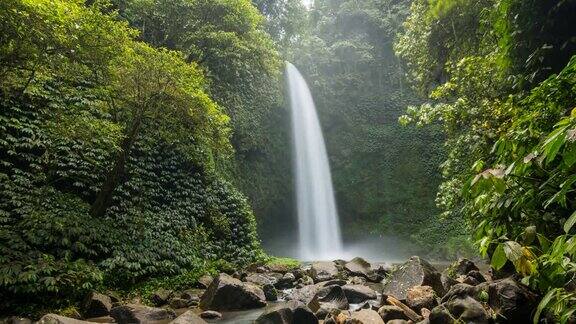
column 227, row 293
column 188, row 317
column 462, row 267
column 415, row 272
column 370, row 304
column 308, row 296
column 463, row 290
column 419, row 297
column 97, row 305
column 192, row 294
column 132, row 313
column 323, row 271
column 291, row 313
column 178, row 303
column 333, row 282
column 304, row 281
column 266, row 283
column 204, row 281
column 511, row 300
column 270, row 292
column 210, row 315
column 57, row 319
column 441, row 315
column 366, row 316
column 337, row 316
column 447, row 281
column 412, row 315
column 356, row 280
column 332, row 297
column 362, row 268
column 161, row 296
column 288, row 280
column 358, row 293
column 468, row 310
column 391, row 312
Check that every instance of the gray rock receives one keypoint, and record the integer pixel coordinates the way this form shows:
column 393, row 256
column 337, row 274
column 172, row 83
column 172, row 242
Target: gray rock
column 391, row 312
column 178, row 303
column 397, row 321
column 323, row 271
column 188, row 317
column 468, row 310
column 414, row 272
column 308, row 296
column 332, row 297
column 362, row 268
column 210, row 315
column 358, row 293
column 366, row 316
column 511, row 300
column 161, row 296
column 57, row 319
column 270, row 292
column 97, row 305
column 447, row 281
column 288, row 280
column 227, row 293
column 192, row 294
column 204, row 281
column 16, row 320
column 132, row 313
column 291, row 313
column 419, row 297
column 441, row 315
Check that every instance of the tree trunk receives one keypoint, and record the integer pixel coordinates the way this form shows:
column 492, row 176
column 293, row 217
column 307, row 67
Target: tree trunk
column 104, row 197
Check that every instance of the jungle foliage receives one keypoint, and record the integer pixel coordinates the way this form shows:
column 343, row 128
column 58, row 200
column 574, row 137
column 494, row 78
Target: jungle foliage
column 109, row 155
column 500, row 75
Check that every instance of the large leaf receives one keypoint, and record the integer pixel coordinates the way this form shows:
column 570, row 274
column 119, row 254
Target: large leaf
column 570, row 222
column 499, row 257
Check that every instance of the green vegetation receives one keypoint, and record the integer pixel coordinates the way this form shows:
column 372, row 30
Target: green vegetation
column 501, row 83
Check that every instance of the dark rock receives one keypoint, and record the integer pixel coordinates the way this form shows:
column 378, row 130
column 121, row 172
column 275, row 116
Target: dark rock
column 291, row 313
column 337, row 316
column 16, row 320
column 288, row 280
column 511, row 300
column 356, row 280
column 419, row 297
column 362, row 268
column 441, row 315
column 177, row 303
column 132, row 313
column 323, row 271
column 308, row 296
column 468, row 310
column 161, row 296
column 462, row 290
column 366, row 316
column 57, row 319
column 97, row 305
column 270, row 292
column 210, row 315
column 447, row 281
column 192, row 294
column 188, row 317
column 391, row 312
column 411, row 314
column 358, row 293
column 415, row 272
column 333, row 282
column 305, row 281
column 321, row 313
column 476, row 275
column 370, row 304
column 332, row 297
column 462, row 267
column 204, row 281
column 227, row 293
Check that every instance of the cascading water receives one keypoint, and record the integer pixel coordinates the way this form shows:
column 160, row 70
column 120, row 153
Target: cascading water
column 318, row 225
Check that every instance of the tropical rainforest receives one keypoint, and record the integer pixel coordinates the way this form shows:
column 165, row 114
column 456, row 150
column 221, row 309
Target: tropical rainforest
column 145, row 143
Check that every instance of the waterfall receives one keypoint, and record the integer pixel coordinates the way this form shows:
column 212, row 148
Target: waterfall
column 318, row 225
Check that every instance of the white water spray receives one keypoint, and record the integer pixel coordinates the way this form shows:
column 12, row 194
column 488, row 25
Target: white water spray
column 318, row 226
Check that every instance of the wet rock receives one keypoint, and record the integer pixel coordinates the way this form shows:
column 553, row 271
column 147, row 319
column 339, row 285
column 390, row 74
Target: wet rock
column 511, row 300
column 323, row 271
column 161, row 296
column 178, row 303
column 210, row 315
column 467, row 310
column 97, row 305
column 204, row 281
column 57, row 319
column 292, row 313
column 132, row 313
column 270, row 292
column 288, row 280
column 462, row 290
column 362, row 268
column 447, row 281
column 332, row 297
column 188, row 317
column 477, row 276
column 415, row 272
column 192, row 294
column 227, row 293
column 366, row 316
column 356, row 280
column 333, row 282
column 305, row 281
column 391, row 312
column 308, row 296
column 370, row 304
column 419, row 297
column 358, row 293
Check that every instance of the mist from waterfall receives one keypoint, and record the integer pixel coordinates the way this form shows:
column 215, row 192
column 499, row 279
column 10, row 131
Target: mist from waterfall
column 318, row 225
